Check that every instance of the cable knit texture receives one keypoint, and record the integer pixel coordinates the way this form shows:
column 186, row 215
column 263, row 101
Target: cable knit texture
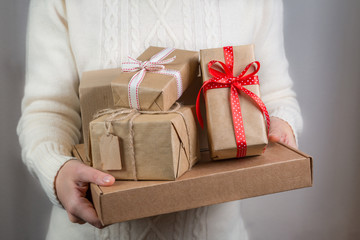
column 67, row 37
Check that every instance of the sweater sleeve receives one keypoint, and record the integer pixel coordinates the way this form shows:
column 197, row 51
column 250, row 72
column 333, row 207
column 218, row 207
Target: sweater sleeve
column 50, row 121
column 276, row 84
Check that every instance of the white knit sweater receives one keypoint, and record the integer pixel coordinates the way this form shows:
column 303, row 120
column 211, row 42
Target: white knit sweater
column 68, row 37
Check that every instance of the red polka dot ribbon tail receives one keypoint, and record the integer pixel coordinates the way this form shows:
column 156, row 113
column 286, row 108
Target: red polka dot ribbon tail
column 226, row 79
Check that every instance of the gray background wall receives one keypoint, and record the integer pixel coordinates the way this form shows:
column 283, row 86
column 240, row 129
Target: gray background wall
column 322, row 42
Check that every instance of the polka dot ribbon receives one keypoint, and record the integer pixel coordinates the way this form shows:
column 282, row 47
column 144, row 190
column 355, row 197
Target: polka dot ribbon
column 226, row 79
column 155, row 65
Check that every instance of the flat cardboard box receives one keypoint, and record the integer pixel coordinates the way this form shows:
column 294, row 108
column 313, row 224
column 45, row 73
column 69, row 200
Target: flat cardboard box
column 279, row 169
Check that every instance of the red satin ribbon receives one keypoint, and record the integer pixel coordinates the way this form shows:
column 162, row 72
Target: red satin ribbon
column 226, row 79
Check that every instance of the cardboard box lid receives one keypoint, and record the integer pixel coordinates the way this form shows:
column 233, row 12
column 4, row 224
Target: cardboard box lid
column 280, row 168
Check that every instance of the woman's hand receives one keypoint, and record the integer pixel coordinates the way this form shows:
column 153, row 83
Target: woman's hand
column 71, row 185
column 280, row 131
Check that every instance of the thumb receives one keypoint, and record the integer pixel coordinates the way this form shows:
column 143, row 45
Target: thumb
column 274, row 135
column 92, row 175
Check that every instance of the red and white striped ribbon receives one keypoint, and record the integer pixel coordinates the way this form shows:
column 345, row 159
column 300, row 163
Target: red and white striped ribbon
column 156, row 65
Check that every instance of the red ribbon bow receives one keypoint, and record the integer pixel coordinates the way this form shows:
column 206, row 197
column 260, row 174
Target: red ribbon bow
column 226, row 79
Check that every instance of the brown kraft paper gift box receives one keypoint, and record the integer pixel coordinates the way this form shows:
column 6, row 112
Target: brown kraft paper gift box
column 218, row 111
column 279, row 169
column 164, row 145
column 157, row 92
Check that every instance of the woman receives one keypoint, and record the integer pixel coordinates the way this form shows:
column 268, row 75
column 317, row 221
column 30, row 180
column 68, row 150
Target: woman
column 66, row 38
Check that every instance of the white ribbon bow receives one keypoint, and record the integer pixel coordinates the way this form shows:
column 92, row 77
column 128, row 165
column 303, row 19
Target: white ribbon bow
column 156, row 65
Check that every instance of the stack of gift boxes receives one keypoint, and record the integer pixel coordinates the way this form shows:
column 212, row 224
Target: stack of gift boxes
column 134, row 128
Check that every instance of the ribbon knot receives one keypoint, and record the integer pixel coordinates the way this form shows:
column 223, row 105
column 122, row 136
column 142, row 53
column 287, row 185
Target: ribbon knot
column 223, row 77
column 156, row 65
column 143, row 65
column 226, row 75
column 135, row 65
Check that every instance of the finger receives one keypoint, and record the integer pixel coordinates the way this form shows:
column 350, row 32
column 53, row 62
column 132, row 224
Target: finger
column 75, row 219
column 284, row 139
column 274, row 138
column 274, row 135
column 288, row 139
column 292, row 143
column 85, row 211
column 92, row 175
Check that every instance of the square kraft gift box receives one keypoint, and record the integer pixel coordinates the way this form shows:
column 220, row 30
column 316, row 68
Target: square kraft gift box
column 148, row 146
column 279, row 169
column 156, row 79
column 235, row 122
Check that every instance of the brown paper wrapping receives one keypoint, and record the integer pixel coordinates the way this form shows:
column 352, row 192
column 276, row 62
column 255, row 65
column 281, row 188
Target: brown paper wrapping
column 157, row 92
column 218, row 111
column 161, row 145
column 95, row 94
column 189, row 98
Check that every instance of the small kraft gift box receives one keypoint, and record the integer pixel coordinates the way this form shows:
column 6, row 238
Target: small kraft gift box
column 156, row 79
column 153, row 81
column 237, row 119
column 145, row 145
